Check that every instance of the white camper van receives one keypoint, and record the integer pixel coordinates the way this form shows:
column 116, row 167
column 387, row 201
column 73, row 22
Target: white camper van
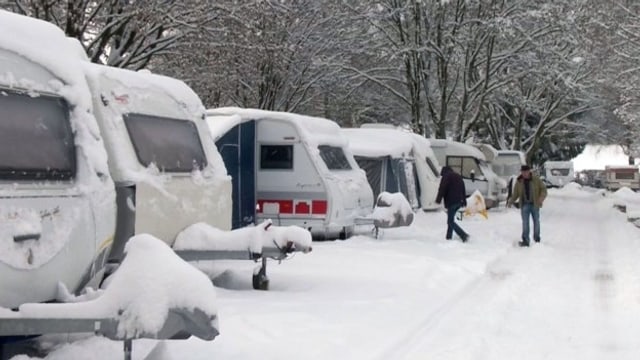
column 57, row 200
column 397, row 161
column 161, row 155
column 507, row 166
column 293, row 169
column 618, row 176
column 471, row 163
column 558, row 173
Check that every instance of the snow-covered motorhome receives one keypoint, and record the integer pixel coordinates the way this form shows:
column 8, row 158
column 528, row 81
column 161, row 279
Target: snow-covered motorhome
column 506, row 164
column 618, row 176
column 397, row 161
column 58, row 210
column 557, row 173
column 57, row 200
column 293, row 169
column 161, row 155
column 471, row 163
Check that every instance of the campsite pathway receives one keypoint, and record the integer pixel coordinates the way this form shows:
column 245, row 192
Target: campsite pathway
column 574, row 296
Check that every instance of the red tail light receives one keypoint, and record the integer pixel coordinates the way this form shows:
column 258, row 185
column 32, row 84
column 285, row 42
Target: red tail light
column 319, row 207
column 285, row 206
column 302, row 207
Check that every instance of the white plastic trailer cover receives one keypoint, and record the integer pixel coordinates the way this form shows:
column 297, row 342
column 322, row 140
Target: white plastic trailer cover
column 57, row 202
column 305, row 173
column 157, row 139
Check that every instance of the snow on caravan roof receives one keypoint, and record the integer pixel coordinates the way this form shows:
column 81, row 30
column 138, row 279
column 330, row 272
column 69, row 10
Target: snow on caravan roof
column 559, row 164
column 458, row 148
column 375, row 142
column 313, row 129
column 49, row 50
column 145, row 80
column 42, row 43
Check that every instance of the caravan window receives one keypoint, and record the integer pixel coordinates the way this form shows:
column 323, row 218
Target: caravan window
column 464, row 165
column 625, row 175
column 36, row 140
column 334, row 157
column 559, row 172
column 276, row 157
column 172, row 145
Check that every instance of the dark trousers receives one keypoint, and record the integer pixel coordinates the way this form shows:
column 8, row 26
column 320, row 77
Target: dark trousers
column 451, row 223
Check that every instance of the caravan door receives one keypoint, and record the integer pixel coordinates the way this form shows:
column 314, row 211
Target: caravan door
column 237, row 148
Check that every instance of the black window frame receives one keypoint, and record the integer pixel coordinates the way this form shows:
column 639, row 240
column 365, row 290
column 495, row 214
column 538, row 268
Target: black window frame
column 279, row 164
column 127, row 118
column 46, row 174
column 329, row 155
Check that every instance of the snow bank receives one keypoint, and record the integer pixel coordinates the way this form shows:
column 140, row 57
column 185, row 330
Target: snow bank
column 151, row 280
column 392, row 210
column 572, row 189
column 202, row 236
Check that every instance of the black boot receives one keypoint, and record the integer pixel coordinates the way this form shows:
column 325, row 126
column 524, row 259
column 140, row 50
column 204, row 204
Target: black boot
column 523, row 244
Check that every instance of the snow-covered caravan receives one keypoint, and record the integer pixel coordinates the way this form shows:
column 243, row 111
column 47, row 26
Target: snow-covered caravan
column 395, row 161
column 507, row 166
column 471, row 163
column 618, row 176
column 558, row 173
column 57, row 200
column 168, row 173
column 293, row 169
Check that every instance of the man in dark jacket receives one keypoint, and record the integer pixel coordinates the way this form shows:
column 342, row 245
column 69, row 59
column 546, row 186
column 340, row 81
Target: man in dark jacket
column 454, row 194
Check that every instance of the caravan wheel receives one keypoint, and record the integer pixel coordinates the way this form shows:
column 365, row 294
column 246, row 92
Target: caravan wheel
column 260, row 282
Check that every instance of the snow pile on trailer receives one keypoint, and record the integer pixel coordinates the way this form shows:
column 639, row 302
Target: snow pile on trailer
column 202, row 236
column 150, row 282
column 392, row 210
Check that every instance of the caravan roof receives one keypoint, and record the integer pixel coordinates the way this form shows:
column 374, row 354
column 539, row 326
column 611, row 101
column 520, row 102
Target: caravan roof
column 375, row 142
column 458, row 148
column 313, row 129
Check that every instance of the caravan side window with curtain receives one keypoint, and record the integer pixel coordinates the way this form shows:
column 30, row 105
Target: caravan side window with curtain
column 36, row 140
column 173, row 145
column 276, row 157
column 334, row 157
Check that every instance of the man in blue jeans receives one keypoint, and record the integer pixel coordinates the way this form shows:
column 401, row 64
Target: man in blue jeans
column 453, row 192
column 529, row 193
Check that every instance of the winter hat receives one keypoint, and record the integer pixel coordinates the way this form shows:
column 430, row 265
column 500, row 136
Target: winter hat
column 525, row 168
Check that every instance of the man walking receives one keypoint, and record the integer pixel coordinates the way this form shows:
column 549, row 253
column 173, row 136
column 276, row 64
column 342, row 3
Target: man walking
column 454, row 194
column 529, row 193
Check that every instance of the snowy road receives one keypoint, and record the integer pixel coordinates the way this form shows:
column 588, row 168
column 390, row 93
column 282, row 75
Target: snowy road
column 413, row 295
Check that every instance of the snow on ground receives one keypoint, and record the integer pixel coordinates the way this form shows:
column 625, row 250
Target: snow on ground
column 413, row 295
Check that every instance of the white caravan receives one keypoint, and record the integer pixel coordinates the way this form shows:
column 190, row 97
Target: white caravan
column 618, row 176
column 558, row 173
column 57, row 200
column 161, row 155
column 471, row 163
column 506, row 165
column 293, row 169
column 397, row 161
